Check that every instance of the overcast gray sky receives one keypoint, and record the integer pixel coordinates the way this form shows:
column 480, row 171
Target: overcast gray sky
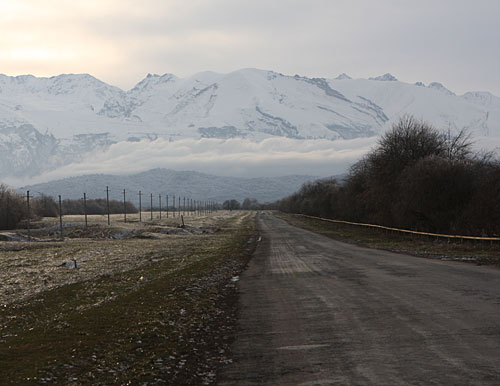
column 456, row 42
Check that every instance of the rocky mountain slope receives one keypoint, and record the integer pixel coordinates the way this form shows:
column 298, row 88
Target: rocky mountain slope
column 48, row 122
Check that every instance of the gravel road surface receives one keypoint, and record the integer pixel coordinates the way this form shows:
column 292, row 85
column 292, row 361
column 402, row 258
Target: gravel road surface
column 315, row 311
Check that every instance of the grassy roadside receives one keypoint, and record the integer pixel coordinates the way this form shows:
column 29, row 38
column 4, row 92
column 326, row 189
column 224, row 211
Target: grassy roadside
column 164, row 322
column 474, row 252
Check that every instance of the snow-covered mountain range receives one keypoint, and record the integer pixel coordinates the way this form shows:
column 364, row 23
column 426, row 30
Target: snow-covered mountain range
column 48, row 122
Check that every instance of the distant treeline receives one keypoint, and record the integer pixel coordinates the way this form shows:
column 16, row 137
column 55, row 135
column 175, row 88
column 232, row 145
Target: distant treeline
column 416, row 178
column 98, row 206
column 248, row 204
column 46, row 206
column 13, row 207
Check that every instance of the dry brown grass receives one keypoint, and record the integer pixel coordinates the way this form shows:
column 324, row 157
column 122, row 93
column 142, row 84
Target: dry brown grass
column 157, row 310
column 429, row 247
column 27, row 268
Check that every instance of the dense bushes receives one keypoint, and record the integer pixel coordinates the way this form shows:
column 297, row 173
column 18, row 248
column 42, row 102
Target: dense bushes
column 45, row 206
column 97, row 206
column 416, row 178
column 13, row 208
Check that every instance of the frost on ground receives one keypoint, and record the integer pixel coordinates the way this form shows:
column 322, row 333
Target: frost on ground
column 101, row 310
column 27, row 268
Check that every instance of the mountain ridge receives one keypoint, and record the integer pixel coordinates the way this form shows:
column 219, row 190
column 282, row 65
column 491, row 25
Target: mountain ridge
column 75, row 114
column 192, row 184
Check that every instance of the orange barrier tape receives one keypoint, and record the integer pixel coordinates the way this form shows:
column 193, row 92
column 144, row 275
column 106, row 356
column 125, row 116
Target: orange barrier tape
column 403, row 230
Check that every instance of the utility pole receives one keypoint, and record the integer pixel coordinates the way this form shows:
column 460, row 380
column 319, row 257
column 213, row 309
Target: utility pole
column 173, row 205
column 167, row 204
column 7, row 212
column 159, row 200
column 85, row 210
column 140, row 206
column 107, row 204
column 151, row 207
column 60, row 218
column 184, row 206
column 124, row 207
column 29, row 216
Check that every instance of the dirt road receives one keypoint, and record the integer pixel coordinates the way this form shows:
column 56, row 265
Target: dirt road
column 319, row 312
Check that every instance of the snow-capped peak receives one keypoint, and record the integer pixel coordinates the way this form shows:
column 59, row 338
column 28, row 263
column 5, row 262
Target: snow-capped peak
column 438, row 86
column 483, row 98
column 152, row 80
column 385, row 78
column 343, row 76
column 60, row 84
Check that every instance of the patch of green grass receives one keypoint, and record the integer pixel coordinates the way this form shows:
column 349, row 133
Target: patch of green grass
column 431, row 247
column 164, row 322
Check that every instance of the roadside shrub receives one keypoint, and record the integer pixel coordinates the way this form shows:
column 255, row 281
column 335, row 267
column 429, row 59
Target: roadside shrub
column 415, row 178
column 482, row 214
column 314, row 198
column 433, row 193
column 13, row 208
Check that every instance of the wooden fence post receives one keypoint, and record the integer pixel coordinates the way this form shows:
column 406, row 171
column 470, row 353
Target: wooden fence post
column 60, row 218
column 151, row 207
column 159, row 200
column 124, row 207
column 107, row 204
column 85, row 211
column 28, row 214
column 140, row 206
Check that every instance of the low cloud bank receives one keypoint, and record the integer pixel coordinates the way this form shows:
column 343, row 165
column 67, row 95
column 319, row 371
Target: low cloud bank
column 231, row 157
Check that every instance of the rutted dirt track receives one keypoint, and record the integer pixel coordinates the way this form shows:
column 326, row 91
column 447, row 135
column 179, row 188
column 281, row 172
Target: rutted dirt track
column 315, row 311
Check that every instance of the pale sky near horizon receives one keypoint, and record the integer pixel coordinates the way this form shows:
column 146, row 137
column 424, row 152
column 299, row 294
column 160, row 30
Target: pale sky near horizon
column 455, row 42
